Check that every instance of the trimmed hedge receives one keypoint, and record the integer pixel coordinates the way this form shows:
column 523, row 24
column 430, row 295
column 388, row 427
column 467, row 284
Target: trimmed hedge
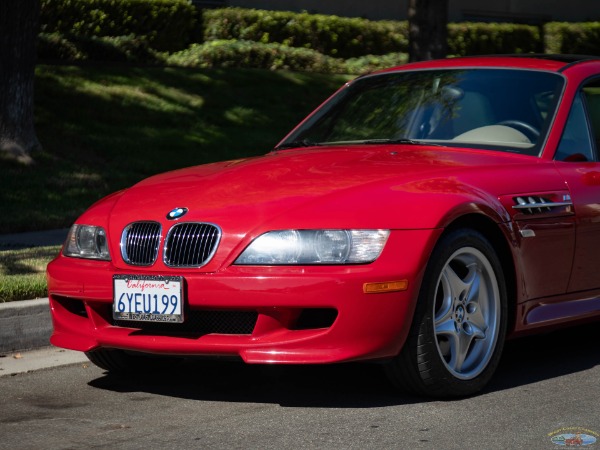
column 138, row 30
column 255, row 55
column 73, row 48
column 166, row 25
column 351, row 37
column 246, row 54
column 249, row 54
column 371, row 63
column 574, row 38
column 331, row 35
column 488, row 38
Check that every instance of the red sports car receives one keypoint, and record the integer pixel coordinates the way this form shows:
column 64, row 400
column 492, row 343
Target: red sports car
column 419, row 217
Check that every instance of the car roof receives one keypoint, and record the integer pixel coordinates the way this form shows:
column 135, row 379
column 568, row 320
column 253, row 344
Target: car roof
column 548, row 62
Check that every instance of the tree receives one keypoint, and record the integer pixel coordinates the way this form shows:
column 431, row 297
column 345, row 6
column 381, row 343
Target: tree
column 19, row 25
column 427, row 29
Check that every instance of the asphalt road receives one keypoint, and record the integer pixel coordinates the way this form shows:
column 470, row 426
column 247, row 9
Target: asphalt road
column 544, row 385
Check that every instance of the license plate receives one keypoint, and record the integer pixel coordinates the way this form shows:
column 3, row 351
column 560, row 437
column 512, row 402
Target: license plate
column 148, row 298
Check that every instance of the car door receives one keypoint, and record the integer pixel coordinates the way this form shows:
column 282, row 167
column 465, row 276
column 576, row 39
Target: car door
column 577, row 160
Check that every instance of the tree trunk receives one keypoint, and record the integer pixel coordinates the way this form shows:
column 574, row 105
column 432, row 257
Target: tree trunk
column 427, row 33
column 19, row 25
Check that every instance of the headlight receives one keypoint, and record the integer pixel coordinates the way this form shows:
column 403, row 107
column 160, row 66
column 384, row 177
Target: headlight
column 86, row 241
column 295, row 247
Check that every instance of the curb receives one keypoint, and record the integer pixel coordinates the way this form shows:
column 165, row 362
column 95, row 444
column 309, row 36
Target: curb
column 25, row 325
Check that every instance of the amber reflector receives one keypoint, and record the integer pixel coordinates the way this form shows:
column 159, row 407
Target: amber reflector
column 388, row 286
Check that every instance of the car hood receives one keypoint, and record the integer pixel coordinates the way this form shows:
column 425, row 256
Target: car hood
column 336, row 187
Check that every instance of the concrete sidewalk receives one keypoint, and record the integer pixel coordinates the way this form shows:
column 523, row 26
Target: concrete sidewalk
column 40, row 358
column 26, row 325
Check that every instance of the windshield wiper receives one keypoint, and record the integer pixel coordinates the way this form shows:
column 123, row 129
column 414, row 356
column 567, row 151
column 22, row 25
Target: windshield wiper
column 400, row 141
column 307, row 143
column 297, row 144
column 393, row 141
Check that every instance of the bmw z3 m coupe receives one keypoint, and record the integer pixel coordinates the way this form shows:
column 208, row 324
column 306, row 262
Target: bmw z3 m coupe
column 419, row 217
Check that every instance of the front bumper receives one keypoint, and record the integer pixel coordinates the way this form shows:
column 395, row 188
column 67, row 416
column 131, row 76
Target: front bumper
column 289, row 314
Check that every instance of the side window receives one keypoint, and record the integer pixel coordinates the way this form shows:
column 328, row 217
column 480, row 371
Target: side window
column 591, row 93
column 575, row 144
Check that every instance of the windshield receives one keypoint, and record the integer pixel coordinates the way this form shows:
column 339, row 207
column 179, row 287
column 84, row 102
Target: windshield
column 499, row 109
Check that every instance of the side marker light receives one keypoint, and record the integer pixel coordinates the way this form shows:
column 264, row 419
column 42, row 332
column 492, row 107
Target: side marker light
column 387, row 286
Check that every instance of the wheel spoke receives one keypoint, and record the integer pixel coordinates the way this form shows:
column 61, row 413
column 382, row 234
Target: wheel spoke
column 477, row 300
column 473, row 283
column 445, row 328
column 476, row 317
column 459, row 348
column 444, row 313
column 451, row 286
column 445, row 293
column 474, row 331
column 455, row 284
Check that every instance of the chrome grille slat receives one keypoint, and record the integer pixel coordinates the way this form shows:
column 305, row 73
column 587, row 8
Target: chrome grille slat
column 201, row 243
column 140, row 243
column 189, row 237
column 191, row 244
column 174, row 243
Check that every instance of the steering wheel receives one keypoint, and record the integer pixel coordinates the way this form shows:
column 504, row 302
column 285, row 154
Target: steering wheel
column 528, row 130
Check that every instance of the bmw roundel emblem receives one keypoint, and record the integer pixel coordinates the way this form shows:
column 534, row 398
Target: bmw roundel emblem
column 176, row 213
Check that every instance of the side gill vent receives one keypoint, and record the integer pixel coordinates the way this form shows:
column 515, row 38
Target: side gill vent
column 534, row 204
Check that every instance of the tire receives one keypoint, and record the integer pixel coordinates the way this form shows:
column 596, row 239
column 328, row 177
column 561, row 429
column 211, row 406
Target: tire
column 459, row 326
column 122, row 362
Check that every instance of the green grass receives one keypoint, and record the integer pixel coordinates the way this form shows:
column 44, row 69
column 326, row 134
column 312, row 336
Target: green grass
column 22, row 273
column 105, row 128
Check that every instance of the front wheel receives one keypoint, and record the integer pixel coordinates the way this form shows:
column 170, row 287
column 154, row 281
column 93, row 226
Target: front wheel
column 459, row 326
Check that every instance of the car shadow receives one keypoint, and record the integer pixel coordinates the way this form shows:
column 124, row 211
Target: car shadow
column 546, row 356
column 349, row 385
column 353, row 385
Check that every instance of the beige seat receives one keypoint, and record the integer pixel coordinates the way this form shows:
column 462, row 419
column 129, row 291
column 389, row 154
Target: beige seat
column 494, row 134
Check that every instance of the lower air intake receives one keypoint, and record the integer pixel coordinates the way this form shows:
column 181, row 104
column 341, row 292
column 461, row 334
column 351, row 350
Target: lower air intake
column 199, row 323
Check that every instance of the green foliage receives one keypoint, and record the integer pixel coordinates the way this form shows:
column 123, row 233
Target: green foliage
column 255, row 55
column 55, row 46
column 371, row 63
column 73, row 48
column 137, row 30
column 225, row 54
column 574, row 38
column 22, row 287
column 274, row 56
column 166, row 25
column 23, row 272
column 331, row 35
column 490, row 38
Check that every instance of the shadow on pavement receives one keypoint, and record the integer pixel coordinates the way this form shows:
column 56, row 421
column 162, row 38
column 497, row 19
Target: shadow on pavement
column 525, row 361
column 546, row 356
column 331, row 386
